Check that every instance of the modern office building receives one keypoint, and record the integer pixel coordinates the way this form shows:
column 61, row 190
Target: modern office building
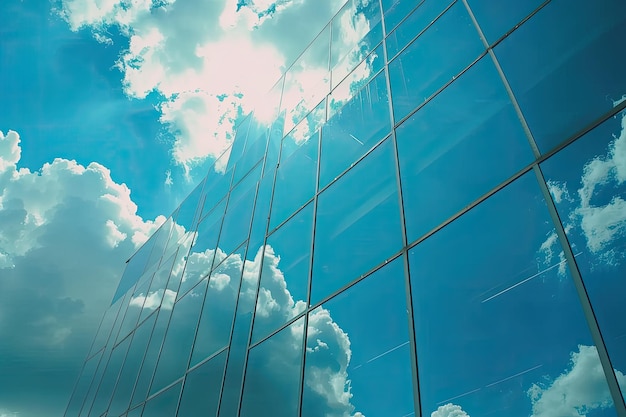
column 426, row 217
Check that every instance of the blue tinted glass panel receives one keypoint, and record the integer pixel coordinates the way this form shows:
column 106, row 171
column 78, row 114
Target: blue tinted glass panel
column 200, row 259
column 152, row 355
column 261, row 213
column 215, row 189
column 484, row 283
column 414, row 24
column 497, row 18
column 272, row 379
column 295, row 181
column 176, row 348
column 358, row 222
column 201, row 392
column 285, row 277
column 273, row 143
column 588, row 185
column 82, row 386
column 460, row 145
column 134, row 269
column 239, row 143
column 132, row 365
column 236, row 226
column 159, row 292
column 163, row 405
column 188, row 212
column 396, row 10
column 358, row 350
column 433, row 59
column 355, row 129
column 216, row 320
column 107, row 385
column 347, row 87
column 576, row 74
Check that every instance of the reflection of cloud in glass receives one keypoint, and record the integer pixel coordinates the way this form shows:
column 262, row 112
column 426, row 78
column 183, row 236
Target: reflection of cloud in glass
column 601, row 223
column 576, row 392
column 449, row 410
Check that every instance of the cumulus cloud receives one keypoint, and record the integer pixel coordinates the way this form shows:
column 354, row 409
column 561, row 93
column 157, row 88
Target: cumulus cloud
column 449, row 410
column 211, row 62
column 65, row 232
column 576, row 392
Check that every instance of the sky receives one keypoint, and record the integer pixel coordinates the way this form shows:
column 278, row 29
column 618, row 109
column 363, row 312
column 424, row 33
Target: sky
column 114, row 110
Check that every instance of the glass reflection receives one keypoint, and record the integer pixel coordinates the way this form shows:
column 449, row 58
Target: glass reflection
column 82, row 386
column 272, row 379
column 216, row 319
column 357, row 352
column 559, row 92
column 202, row 389
column 496, row 18
column 514, row 311
column 355, row 128
column 109, row 379
column 159, row 293
column 296, row 180
column 285, row 275
column 587, row 181
column 464, row 142
column 358, row 222
column 434, row 58
column 164, row 404
column 174, row 356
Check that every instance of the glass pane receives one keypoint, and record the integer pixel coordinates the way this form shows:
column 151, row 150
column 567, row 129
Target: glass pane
column 355, row 129
column 107, row 385
column 219, row 308
column 106, row 325
column 202, row 389
column 134, row 269
column 576, row 74
column 526, row 348
column 588, row 184
column 261, row 212
column 464, row 142
column 307, row 81
column 274, row 141
column 414, row 24
column 396, row 10
column 176, row 349
column 295, row 181
column 216, row 188
column 82, row 387
column 497, row 18
column 233, row 378
column 433, row 59
column 356, row 30
column 200, row 259
column 163, row 405
column 151, row 357
column 158, row 294
column 272, row 379
column 358, row 222
column 285, row 276
column 239, row 143
column 358, row 356
column 189, row 210
column 132, row 365
column 93, row 387
column 236, row 226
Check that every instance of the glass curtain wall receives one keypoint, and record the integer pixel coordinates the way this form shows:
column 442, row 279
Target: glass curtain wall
column 427, row 218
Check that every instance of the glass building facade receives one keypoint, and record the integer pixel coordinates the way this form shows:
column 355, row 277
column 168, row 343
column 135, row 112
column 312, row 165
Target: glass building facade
column 426, row 217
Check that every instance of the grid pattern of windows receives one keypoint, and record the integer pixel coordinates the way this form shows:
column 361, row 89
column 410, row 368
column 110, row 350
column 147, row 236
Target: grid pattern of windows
column 427, row 217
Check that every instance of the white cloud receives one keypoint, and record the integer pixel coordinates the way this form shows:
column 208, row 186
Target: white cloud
column 65, row 232
column 559, row 191
column 576, row 392
column 449, row 410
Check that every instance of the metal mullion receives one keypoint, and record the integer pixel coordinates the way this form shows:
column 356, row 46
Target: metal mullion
column 403, row 254
column 592, row 322
column 119, row 374
column 308, row 309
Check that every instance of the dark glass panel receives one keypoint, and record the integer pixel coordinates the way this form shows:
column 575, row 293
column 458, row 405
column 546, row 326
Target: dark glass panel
column 463, row 143
column 201, row 392
column 438, row 55
column 576, row 74
column 164, row 404
column 357, row 356
column 355, row 129
column 358, row 222
column 505, row 320
column 285, row 275
column 588, row 185
column 272, row 379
